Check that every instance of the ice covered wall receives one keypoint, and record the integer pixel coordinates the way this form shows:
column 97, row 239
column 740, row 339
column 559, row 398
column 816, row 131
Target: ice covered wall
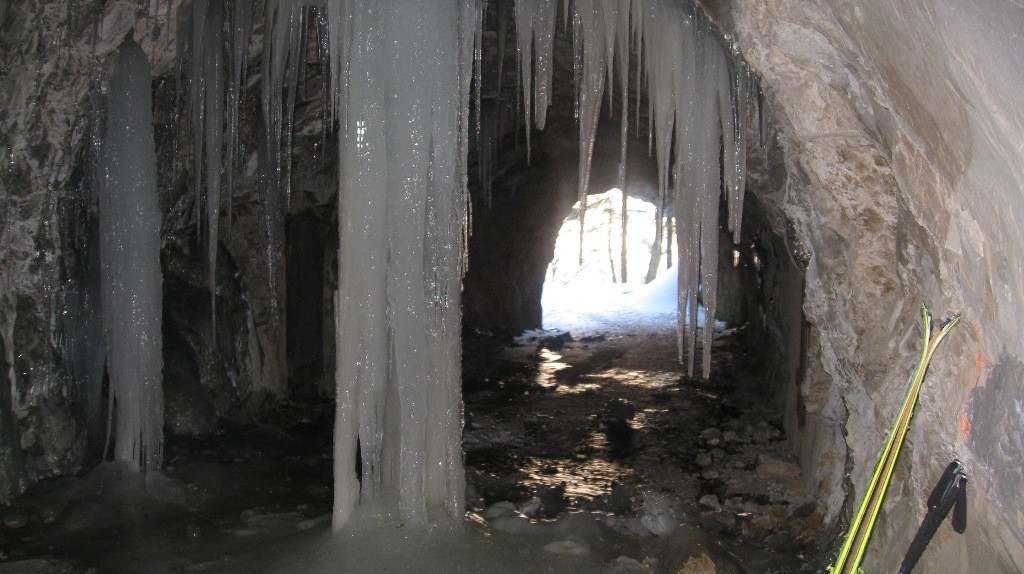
column 402, row 73
column 901, row 126
column 131, row 281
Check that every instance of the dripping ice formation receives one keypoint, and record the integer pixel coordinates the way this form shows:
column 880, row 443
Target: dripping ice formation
column 402, row 74
column 207, row 106
column 399, row 74
column 284, row 29
column 535, row 40
column 700, row 94
column 131, row 282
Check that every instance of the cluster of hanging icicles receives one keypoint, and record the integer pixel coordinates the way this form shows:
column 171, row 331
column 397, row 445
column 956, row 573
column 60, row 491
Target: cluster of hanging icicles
column 701, row 95
column 397, row 79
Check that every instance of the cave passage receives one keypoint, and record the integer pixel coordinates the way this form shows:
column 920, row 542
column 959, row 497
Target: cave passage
column 314, row 310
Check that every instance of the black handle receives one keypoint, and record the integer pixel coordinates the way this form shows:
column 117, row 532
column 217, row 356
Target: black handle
column 950, row 493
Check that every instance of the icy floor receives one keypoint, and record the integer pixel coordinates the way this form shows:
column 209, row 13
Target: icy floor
column 585, row 453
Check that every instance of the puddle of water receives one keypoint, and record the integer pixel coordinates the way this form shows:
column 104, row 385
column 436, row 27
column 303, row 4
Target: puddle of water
column 585, row 480
column 549, row 365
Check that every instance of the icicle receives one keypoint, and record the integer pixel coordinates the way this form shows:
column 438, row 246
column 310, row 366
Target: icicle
column 503, row 23
column 207, row 102
column 318, row 26
column 698, row 98
column 524, row 42
column 669, row 234
column 609, row 25
column 478, row 58
column 214, row 103
column 577, row 64
column 545, row 13
column 622, row 53
column 535, row 34
column 740, row 106
column 197, row 102
column 282, row 49
column 637, row 15
column 130, row 255
column 588, row 41
column 727, row 78
column 241, row 29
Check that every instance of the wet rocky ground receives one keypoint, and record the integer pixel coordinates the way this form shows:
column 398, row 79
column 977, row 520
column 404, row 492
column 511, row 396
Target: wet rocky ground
column 219, row 498
column 594, row 452
column 608, row 423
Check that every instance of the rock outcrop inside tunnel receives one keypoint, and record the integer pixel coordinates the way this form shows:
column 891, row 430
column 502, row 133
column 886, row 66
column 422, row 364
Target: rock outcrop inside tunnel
column 904, row 184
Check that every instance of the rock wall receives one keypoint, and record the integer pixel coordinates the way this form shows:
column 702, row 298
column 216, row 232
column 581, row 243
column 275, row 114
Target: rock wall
column 901, row 130
column 52, row 59
column 46, row 68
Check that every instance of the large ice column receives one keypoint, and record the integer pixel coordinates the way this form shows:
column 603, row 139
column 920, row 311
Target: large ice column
column 130, row 257
column 402, row 79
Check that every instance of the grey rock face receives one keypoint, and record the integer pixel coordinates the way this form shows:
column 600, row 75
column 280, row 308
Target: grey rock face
column 903, row 183
column 51, row 61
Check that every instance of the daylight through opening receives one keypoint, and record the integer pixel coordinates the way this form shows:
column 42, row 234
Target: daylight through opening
column 619, row 269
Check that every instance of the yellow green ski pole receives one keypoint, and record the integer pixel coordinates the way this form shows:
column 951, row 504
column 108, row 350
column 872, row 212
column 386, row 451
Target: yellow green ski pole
column 852, row 552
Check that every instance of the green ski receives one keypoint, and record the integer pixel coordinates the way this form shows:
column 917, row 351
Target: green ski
column 852, row 552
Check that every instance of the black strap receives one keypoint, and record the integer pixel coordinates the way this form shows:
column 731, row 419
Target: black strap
column 950, row 493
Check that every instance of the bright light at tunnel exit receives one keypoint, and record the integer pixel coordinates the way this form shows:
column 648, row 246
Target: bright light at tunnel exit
column 595, row 287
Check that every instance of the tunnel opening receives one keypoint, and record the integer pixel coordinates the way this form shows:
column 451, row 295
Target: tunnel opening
column 611, row 266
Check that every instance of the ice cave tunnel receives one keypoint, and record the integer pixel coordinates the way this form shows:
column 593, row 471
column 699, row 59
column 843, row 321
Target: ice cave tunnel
column 276, row 281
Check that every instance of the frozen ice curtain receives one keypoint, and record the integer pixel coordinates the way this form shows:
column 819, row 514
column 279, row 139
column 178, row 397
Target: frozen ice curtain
column 401, row 84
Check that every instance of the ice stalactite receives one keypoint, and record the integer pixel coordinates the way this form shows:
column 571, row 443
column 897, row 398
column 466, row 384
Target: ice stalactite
column 535, row 36
column 130, row 221
column 524, row 42
column 402, row 99
column 207, row 106
column 241, row 29
column 699, row 92
column 282, row 51
column 589, row 46
column 622, row 50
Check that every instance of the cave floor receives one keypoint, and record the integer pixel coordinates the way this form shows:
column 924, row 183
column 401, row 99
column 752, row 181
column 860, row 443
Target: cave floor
column 605, row 420
column 581, row 455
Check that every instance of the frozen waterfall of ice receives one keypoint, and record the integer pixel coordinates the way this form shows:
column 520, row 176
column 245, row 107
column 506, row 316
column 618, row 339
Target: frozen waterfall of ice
column 403, row 71
column 131, row 282
column 399, row 74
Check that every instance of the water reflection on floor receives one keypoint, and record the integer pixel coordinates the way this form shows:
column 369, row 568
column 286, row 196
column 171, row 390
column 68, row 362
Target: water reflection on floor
column 598, row 423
